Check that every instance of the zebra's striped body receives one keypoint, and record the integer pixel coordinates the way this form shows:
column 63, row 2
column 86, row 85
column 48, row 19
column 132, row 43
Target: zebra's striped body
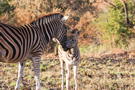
column 17, row 44
column 70, row 57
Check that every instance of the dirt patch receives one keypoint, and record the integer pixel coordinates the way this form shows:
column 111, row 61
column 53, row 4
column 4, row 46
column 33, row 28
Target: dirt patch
column 108, row 72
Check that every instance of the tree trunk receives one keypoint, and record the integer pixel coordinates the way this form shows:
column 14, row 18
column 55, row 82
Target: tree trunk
column 126, row 12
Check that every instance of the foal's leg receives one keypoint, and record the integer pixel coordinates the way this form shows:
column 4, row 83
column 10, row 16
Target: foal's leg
column 67, row 76
column 20, row 73
column 62, row 73
column 75, row 76
column 36, row 63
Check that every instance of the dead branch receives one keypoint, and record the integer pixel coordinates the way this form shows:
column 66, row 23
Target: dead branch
column 110, row 3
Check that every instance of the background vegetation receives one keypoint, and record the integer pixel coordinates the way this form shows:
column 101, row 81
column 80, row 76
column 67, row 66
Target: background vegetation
column 107, row 31
column 106, row 24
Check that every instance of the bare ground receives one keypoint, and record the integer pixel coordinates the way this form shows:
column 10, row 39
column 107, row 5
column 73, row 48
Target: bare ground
column 107, row 72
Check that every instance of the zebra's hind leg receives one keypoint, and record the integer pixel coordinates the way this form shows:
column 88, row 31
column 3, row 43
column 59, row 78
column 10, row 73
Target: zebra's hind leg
column 62, row 73
column 20, row 74
column 36, row 63
column 75, row 76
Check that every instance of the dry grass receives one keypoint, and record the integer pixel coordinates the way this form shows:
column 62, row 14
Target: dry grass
column 113, row 72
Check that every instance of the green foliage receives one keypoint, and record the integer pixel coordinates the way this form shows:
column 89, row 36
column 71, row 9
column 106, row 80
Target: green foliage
column 113, row 26
column 12, row 84
column 5, row 7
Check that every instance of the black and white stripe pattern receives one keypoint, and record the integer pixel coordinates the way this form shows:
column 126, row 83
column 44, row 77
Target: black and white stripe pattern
column 17, row 44
column 71, row 57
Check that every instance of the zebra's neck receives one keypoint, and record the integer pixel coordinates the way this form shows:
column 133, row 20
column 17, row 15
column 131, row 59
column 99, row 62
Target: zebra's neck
column 45, row 30
column 45, row 35
column 51, row 27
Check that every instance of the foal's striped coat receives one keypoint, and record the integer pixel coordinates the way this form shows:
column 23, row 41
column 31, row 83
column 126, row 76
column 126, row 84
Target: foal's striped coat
column 70, row 57
column 17, row 44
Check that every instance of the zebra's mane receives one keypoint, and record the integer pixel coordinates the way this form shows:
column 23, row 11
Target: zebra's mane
column 49, row 17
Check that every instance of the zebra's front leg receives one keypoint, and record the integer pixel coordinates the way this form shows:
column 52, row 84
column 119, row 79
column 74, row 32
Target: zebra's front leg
column 62, row 73
column 20, row 74
column 67, row 76
column 36, row 64
column 75, row 77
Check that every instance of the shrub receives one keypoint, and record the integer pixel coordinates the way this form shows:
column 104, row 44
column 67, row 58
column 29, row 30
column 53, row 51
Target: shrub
column 5, row 7
column 115, row 31
column 89, row 33
column 6, row 11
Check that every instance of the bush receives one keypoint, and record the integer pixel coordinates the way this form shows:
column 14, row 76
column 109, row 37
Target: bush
column 115, row 31
column 6, row 11
column 5, row 7
column 89, row 33
column 27, row 10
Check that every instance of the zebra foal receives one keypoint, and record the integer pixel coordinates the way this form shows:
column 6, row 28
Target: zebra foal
column 17, row 44
column 71, row 57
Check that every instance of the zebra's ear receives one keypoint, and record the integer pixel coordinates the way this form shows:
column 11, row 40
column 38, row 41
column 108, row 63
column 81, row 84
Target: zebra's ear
column 64, row 19
column 74, row 31
column 78, row 33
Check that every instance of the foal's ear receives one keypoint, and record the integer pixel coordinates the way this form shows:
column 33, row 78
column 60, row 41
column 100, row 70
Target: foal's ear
column 64, row 19
column 78, row 33
column 75, row 31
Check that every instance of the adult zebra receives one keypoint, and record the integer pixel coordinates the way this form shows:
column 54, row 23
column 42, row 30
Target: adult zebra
column 17, row 44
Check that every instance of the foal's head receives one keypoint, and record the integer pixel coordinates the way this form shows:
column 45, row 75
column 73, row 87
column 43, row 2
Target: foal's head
column 72, row 38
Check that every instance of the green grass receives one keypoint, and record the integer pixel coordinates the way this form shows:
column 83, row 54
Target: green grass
column 94, row 49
